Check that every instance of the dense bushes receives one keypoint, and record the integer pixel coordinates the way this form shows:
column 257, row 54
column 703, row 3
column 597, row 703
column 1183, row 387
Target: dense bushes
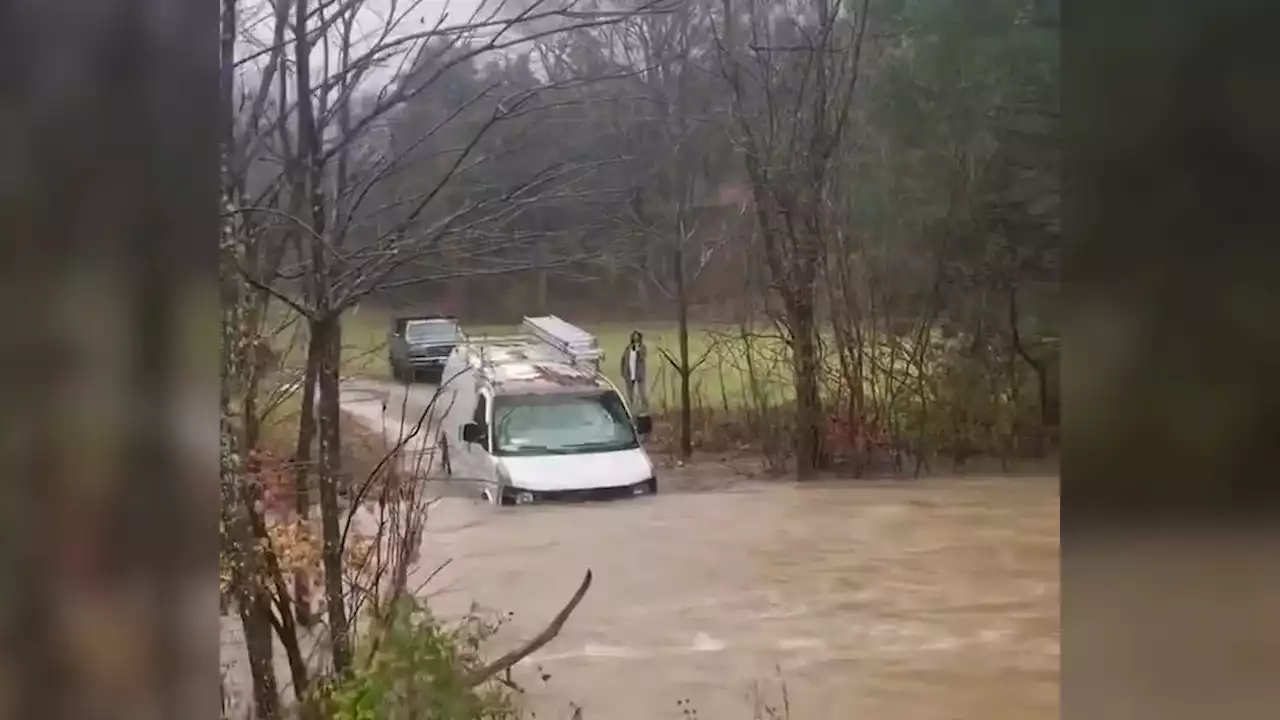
column 919, row 411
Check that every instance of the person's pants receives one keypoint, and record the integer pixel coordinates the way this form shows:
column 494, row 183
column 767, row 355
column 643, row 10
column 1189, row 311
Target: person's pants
column 637, row 397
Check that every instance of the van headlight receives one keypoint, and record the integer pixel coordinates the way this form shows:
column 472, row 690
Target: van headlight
column 523, row 497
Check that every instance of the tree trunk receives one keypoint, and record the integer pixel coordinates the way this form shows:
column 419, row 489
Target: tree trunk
column 804, row 353
column 267, row 574
column 247, row 576
column 325, row 335
column 1047, row 419
column 542, row 279
column 254, row 606
column 246, row 579
column 252, row 603
column 328, row 331
column 642, row 293
column 255, row 610
column 844, row 319
column 302, row 469
column 1015, row 400
column 682, row 321
column 251, row 364
column 1037, row 366
column 541, row 302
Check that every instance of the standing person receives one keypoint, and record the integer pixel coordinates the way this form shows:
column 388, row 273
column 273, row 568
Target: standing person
column 634, row 374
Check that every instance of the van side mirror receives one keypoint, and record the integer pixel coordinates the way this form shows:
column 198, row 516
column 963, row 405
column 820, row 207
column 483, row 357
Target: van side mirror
column 644, row 424
column 473, row 433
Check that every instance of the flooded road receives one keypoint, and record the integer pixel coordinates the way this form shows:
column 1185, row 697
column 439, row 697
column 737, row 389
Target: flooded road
column 932, row 599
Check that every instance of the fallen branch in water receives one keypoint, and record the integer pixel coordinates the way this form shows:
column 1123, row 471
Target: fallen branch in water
column 547, row 635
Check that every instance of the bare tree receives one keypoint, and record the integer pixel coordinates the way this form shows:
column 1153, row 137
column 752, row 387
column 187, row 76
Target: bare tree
column 674, row 193
column 239, row 546
column 793, row 77
column 334, row 246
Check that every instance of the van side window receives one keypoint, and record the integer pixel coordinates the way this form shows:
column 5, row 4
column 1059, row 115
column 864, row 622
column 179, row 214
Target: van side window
column 482, row 410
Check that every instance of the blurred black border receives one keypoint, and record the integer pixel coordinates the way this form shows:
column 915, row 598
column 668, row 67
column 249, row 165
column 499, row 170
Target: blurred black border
column 1172, row 140
column 108, row 216
column 1172, row 408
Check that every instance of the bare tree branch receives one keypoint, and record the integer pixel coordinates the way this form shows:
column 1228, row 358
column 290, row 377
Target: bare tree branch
column 548, row 634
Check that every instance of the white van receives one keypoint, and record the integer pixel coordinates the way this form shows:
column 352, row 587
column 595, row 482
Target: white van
column 531, row 418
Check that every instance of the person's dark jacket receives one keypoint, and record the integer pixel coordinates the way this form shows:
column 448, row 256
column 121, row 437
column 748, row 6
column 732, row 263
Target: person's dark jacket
column 625, row 368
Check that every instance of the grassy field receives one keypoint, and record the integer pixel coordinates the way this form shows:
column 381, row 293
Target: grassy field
column 720, row 379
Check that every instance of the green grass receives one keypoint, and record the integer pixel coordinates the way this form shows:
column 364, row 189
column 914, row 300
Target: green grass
column 721, row 379
column 364, row 341
column 721, row 374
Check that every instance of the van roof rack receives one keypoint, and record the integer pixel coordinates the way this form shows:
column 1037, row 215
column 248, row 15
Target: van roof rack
column 560, row 339
column 577, row 345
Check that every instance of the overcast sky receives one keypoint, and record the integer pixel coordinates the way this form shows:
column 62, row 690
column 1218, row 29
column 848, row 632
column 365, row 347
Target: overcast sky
column 413, row 16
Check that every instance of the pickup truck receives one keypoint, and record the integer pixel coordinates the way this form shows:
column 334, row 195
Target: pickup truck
column 420, row 344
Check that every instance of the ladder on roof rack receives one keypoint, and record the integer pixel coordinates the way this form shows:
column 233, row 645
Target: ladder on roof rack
column 576, row 344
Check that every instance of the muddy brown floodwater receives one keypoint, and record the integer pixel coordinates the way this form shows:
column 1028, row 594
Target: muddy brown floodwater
column 928, row 599
column 903, row 600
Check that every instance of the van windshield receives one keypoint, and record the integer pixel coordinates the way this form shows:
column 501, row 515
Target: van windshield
column 561, row 424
